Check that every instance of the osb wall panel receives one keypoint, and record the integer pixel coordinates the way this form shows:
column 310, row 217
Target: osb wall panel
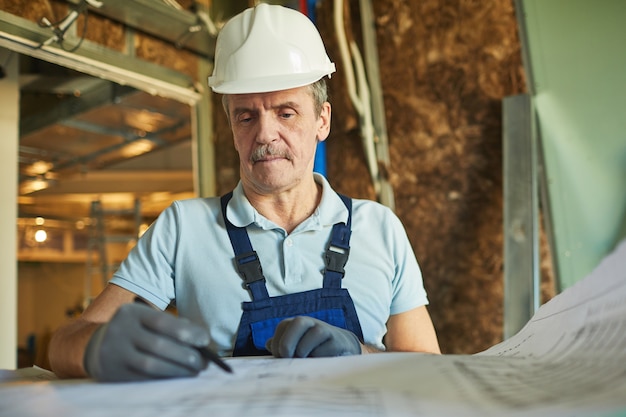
column 108, row 33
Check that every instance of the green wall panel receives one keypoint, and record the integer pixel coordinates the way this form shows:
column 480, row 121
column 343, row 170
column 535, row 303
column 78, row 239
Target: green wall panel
column 576, row 60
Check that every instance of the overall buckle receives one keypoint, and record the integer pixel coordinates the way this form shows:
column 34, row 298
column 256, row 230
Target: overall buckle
column 249, row 267
column 336, row 258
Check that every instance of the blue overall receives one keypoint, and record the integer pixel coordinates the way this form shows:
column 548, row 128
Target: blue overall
column 331, row 303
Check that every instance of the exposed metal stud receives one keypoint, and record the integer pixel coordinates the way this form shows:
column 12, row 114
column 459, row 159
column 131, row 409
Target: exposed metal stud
column 521, row 242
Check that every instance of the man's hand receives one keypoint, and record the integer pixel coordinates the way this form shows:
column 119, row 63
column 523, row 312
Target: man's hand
column 304, row 336
column 142, row 343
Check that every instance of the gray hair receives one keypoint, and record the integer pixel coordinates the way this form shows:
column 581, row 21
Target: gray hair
column 318, row 90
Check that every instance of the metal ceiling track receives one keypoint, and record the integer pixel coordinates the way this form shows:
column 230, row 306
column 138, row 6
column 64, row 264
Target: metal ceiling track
column 103, row 94
column 26, row 37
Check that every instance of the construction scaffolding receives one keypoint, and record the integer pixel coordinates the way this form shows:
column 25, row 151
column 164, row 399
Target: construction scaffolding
column 112, row 234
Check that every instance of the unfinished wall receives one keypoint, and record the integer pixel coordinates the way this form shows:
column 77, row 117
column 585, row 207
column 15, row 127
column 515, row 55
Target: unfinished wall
column 445, row 67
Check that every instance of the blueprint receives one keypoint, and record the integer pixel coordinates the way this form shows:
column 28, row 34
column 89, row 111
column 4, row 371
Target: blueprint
column 569, row 360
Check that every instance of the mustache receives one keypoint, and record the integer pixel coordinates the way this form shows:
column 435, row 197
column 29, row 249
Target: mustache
column 264, row 151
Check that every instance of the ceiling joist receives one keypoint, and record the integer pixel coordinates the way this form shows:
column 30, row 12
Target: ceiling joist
column 179, row 27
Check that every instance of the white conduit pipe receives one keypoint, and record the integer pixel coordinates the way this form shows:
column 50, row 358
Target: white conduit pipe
column 345, row 55
column 359, row 93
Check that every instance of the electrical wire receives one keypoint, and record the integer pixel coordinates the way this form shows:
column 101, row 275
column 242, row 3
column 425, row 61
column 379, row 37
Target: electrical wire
column 59, row 28
column 82, row 37
column 203, row 19
column 358, row 91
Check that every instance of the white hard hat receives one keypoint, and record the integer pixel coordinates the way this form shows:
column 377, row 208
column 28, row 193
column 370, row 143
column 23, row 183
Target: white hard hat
column 268, row 48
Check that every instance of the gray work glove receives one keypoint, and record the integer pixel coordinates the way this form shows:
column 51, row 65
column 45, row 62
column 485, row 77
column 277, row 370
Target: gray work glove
column 141, row 343
column 304, row 336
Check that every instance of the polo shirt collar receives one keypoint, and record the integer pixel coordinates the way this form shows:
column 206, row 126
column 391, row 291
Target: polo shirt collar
column 330, row 211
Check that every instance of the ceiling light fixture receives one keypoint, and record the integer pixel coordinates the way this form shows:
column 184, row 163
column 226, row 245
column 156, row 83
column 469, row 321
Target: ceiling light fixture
column 41, row 236
column 33, row 185
column 38, row 168
column 137, row 148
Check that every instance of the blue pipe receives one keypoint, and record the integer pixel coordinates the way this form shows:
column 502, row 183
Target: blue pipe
column 319, row 164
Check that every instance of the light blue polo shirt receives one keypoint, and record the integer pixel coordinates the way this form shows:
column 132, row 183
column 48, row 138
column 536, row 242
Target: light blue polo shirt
column 185, row 257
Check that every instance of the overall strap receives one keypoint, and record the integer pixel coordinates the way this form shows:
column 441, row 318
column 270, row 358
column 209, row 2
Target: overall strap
column 249, row 265
column 338, row 249
column 246, row 258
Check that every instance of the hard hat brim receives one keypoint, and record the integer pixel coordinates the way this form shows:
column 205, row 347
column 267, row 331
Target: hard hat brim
column 269, row 84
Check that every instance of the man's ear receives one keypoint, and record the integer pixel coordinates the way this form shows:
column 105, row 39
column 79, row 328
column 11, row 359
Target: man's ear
column 323, row 129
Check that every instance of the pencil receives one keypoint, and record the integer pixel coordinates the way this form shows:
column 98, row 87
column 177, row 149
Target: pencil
column 214, row 357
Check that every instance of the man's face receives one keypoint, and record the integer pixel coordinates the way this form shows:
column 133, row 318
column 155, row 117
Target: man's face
column 276, row 135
